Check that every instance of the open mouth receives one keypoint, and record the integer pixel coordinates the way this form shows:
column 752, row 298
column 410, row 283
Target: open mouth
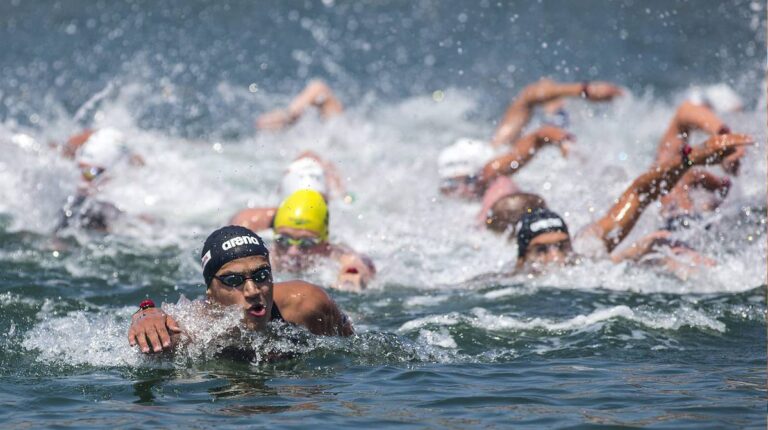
column 257, row 310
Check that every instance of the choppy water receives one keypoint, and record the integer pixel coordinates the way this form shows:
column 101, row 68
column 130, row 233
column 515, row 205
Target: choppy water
column 596, row 345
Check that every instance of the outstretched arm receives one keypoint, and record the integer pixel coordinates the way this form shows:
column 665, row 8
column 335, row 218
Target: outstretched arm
column 524, row 150
column 317, row 93
column 545, row 90
column 623, row 216
column 688, row 117
column 255, row 219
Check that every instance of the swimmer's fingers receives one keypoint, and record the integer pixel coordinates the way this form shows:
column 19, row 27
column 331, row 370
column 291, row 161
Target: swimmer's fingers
column 718, row 147
column 154, row 338
column 602, row 91
column 141, row 338
column 732, row 163
column 172, row 324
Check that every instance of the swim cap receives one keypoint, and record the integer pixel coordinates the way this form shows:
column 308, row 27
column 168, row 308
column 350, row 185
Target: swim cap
column 464, row 158
column 105, row 148
column 304, row 173
column 227, row 244
column 305, row 210
column 506, row 213
column 720, row 97
column 538, row 222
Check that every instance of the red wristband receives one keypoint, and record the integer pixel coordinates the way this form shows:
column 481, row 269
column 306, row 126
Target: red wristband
column 146, row 304
column 686, row 151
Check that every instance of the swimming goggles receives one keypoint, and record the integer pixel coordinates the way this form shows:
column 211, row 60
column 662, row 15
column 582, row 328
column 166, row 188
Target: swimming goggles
column 260, row 276
column 451, row 183
column 91, row 173
column 286, row 241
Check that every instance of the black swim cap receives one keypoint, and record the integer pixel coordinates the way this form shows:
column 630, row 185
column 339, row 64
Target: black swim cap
column 227, row 244
column 538, row 222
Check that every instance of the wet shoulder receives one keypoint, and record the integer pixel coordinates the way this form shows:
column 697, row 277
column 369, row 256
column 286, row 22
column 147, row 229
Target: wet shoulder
column 299, row 299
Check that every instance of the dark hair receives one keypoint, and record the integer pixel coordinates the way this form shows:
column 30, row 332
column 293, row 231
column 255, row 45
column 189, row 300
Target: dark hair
column 507, row 211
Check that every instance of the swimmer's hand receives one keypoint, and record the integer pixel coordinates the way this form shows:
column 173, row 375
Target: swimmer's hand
column 732, row 163
column 719, row 147
column 153, row 330
column 551, row 135
column 598, row 91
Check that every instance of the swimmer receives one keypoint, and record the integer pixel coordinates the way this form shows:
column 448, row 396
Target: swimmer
column 468, row 167
column 307, row 171
column 102, row 137
column 549, row 94
column 237, row 272
column 300, row 226
column 316, row 94
column 543, row 237
column 104, row 150
column 504, row 205
column 679, row 207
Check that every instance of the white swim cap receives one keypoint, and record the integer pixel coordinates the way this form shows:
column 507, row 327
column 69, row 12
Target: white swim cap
column 464, row 158
column 304, row 173
column 105, row 148
column 720, row 97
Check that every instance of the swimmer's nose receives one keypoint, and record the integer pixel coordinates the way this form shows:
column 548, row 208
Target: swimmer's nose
column 554, row 255
column 294, row 250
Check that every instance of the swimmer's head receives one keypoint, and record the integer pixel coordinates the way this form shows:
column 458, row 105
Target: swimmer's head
column 304, row 173
column 460, row 164
column 719, row 97
column 237, row 271
column 542, row 239
column 504, row 215
column 301, row 229
column 102, row 151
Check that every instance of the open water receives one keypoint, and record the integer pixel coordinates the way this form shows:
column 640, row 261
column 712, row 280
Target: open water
column 593, row 346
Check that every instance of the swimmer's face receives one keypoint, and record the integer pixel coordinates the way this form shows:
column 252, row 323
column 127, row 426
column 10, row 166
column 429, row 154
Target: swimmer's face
column 547, row 249
column 295, row 248
column 90, row 173
column 466, row 187
column 254, row 295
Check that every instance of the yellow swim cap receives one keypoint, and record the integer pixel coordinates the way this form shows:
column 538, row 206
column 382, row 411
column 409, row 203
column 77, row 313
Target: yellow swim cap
column 305, row 210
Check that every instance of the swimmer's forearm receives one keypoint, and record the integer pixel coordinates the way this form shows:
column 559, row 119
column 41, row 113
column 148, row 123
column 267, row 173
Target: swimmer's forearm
column 317, row 93
column 690, row 116
column 644, row 190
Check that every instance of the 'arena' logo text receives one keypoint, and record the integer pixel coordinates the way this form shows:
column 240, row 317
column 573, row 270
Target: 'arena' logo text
column 237, row 241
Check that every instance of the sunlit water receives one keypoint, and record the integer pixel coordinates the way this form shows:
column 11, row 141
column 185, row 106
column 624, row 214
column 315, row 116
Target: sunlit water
column 597, row 344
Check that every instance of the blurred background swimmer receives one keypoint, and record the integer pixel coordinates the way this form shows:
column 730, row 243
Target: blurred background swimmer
column 301, row 239
column 316, row 94
column 543, row 238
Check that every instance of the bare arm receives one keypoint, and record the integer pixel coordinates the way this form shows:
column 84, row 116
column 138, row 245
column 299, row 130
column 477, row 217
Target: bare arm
column 524, row 150
column 310, row 306
column 545, row 90
column 255, row 219
column 317, row 93
column 74, row 143
column 688, row 117
column 623, row 216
